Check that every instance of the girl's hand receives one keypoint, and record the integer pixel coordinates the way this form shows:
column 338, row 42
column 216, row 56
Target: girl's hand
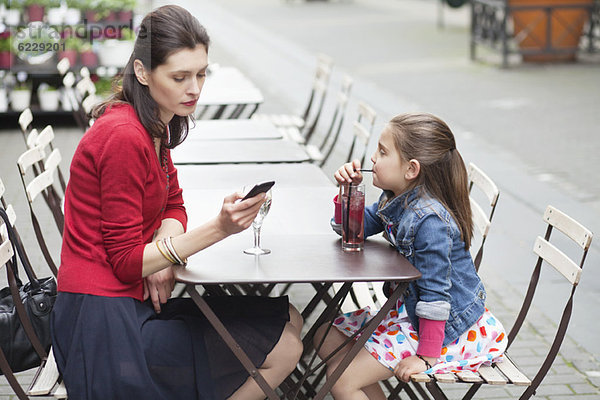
column 412, row 365
column 159, row 287
column 349, row 173
column 236, row 216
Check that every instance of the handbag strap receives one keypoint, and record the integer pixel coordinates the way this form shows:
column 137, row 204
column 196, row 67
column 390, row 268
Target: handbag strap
column 12, row 235
column 14, row 291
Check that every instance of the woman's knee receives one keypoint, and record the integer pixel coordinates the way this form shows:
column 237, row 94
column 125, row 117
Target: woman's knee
column 296, row 318
column 289, row 348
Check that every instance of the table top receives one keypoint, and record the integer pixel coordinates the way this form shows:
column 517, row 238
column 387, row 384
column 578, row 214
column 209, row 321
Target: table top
column 296, row 259
column 239, row 151
column 229, row 86
column 297, row 230
column 232, row 177
column 232, row 129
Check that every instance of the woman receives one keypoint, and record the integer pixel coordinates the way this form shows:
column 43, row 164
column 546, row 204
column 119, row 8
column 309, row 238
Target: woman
column 125, row 226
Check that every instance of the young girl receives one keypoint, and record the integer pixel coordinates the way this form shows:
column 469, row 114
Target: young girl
column 440, row 323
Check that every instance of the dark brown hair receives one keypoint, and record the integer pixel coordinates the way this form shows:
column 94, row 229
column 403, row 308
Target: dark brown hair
column 427, row 139
column 162, row 32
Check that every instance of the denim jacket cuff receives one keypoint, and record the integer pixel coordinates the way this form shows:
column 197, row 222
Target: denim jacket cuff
column 436, row 310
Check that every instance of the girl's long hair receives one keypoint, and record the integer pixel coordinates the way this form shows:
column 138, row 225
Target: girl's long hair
column 427, row 139
column 162, row 32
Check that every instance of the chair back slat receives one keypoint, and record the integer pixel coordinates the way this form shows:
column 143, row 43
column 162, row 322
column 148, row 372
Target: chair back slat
column 6, row 250
column 63, row 65
column 38, row 184
column 480, row 219
column 484, row 183
column 361, row 133
column 45, row 137
column 29, row 158
column 69, row 80
column 567, row 225
column 32, row 138
column 84, row 72
column 366, row 111
column 25, row 119
column 559, row 260
column 53, row 161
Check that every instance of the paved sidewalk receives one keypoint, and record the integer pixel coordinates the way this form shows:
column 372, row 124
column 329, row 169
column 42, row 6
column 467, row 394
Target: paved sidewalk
column 533, row 129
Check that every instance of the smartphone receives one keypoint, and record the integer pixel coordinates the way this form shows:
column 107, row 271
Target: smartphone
column 258, row 189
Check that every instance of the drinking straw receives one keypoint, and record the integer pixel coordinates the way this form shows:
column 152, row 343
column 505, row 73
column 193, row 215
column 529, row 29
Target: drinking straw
column 363, row 170
column 348, row 211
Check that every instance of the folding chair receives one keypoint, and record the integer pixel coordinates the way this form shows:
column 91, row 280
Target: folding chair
column 43, row 140
column 362, row 129
column 317, row 94
column 506, row 372
column 319, row 153
column 481, row 221
column 73, row 102
column 43, row 183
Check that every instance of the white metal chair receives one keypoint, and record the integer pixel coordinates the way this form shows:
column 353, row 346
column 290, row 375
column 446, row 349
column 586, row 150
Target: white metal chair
column 548, row 254
column 42, row 183
column 317, row 95
column 321, row 153
column 481, row 220
column 362, row 129
column 46, row 379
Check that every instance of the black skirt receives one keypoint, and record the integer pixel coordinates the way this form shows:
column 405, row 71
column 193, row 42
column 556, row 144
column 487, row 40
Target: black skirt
column 119, row 348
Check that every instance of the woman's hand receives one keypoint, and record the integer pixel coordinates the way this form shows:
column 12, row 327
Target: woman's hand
column 236, row 216
column 349, row 173
column 159, row 286
column 412, row 365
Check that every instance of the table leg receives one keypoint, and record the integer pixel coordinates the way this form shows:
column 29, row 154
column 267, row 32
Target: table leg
column 233, row 345
column 360, row 342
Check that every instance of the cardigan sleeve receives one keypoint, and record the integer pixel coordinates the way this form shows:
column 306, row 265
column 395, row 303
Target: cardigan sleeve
column 122, row 169
column 175, row 208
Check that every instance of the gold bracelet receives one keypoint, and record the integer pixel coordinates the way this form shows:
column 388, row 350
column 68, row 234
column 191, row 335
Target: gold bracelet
column 165, row 255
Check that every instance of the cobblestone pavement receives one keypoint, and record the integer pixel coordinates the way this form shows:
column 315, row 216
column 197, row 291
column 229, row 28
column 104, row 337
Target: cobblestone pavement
column 400, row 61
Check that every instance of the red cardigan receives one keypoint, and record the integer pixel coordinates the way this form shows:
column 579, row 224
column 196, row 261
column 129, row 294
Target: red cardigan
column 115, row 200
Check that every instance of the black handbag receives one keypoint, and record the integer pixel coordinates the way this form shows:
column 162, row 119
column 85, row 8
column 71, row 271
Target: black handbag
column 24, row 310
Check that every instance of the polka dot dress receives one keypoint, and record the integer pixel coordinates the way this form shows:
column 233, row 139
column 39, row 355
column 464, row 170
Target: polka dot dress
column 396, row 339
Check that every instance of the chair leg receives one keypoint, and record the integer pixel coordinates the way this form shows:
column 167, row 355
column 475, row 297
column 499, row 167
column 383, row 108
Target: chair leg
column 471, row 392
column 435, row 390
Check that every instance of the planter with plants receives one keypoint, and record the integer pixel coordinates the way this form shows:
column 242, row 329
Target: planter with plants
column 20, row 97
column 55, row 14
column 549, row 30
column 11, row 11
column 48, row 97
column 35, row 9
column 71, row 49
column 116, row 52
column 3, row 100
column 87, row 56
column 7, row 57
column 125, row 13
column 73, row 12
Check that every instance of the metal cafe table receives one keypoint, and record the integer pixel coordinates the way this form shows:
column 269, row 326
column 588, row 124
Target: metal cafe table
column 228, row 87
column 232, row 129
column 304, row 250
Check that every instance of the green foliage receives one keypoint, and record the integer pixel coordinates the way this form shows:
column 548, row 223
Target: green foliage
column 104, row 87
column 5, row 44
column 127, row 34
column 73, row 43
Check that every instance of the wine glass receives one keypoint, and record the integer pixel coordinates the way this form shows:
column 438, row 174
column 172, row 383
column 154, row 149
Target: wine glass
column 257, row 224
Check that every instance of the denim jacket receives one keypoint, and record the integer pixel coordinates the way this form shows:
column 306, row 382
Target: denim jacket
column 422, row 230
